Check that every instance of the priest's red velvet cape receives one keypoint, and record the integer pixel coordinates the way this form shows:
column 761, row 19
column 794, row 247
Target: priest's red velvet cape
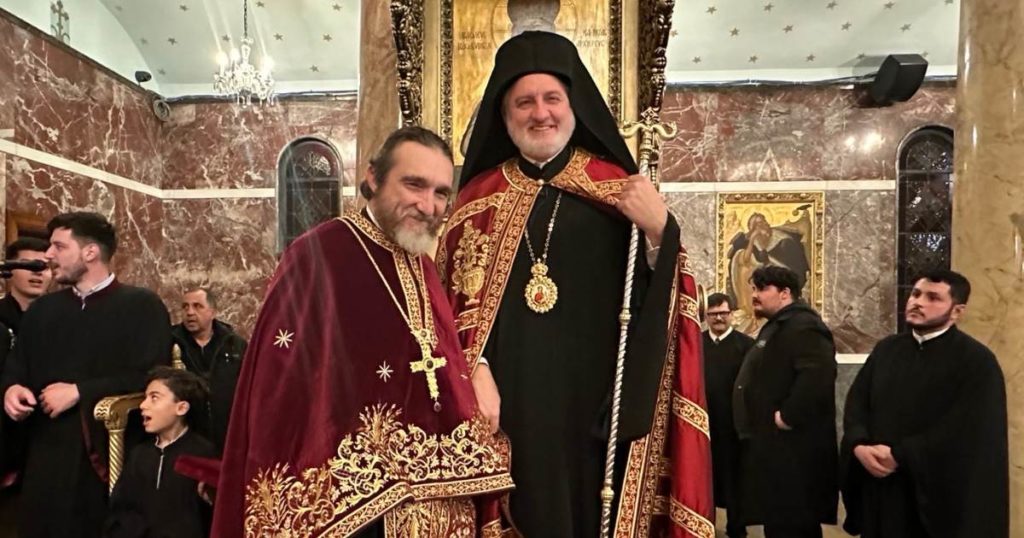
column 492, row 210
column 330, row 428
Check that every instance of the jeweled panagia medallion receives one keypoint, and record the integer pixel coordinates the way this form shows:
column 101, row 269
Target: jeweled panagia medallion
column 541, row 292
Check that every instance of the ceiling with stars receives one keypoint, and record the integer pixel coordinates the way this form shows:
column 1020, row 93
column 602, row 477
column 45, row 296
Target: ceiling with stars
column 807, row 40
column 314, row 43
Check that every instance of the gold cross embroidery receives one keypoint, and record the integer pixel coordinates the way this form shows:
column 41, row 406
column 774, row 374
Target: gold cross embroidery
column 428, row 364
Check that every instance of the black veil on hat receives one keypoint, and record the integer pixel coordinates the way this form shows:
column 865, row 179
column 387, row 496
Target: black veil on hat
column 542, row 52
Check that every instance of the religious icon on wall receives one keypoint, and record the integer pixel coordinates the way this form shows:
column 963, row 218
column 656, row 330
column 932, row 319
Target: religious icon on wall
column 481, row 26
column 759, row 229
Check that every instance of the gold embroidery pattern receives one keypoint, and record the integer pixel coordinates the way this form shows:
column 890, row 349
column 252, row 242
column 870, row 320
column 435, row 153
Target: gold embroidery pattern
column 467, row 319
column 641, row 484
column 476, row 206
column 371, row 230
column 491, row 530
column 630, row 491
column 572, row 176
column 462, row 213
column 382, row 451
column 445, row 518
column 470, row 261
column 688, row 307
column 691, row 413
column 693, row 522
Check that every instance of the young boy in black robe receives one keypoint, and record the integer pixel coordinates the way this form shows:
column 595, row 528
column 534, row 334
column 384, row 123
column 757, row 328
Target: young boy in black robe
column 151, row 500
column 925, row 439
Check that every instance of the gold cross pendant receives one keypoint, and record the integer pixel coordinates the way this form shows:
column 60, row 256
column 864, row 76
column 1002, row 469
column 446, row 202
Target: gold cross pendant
column 429, row 365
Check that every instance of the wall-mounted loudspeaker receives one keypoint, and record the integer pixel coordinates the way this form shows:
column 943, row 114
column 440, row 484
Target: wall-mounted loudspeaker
column 898, row 78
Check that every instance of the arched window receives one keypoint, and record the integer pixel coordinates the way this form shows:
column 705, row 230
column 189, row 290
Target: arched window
column 925, row 207
column 308, row 187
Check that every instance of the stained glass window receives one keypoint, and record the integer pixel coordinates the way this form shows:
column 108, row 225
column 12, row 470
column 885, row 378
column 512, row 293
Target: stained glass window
column 309, row 187
column 925, row 205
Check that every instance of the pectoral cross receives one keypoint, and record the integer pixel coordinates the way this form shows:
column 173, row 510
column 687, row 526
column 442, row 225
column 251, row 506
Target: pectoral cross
column 428, row 364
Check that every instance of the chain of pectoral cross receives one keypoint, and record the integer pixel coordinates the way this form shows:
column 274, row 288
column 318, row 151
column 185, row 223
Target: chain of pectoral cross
column 422, row 325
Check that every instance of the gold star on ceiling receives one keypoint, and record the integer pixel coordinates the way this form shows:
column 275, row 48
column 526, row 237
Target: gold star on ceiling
column 283, row 339
column 888, row 5
column 183, row 7
column 832, row 4
column 336, row 7
column 172, row 41
column 260, row 4
column 385, row 371
column 924, row 54
column 753, row 59
column 711, row 10
column 119, row 8
column 787, row 28
column 734, row 32
column 314, row 69
column 949, row 2
column 905, row 27
column 278, row 37
column 144, row 41
column 769, row 6
column 861, row 56
column 811, row 57
column 696, row 59
column 161, row 71
column 225, row 38
column 673, row 33
column 327, row 37
column 846, row 25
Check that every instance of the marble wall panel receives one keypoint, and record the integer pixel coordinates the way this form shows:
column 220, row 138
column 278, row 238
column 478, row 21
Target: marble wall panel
column 240, row 147
column 695, row 213
column 778, row 133
column 225, row 244
column 860, row 268
column 46, row 191
column 67, row 106
column 8, row 87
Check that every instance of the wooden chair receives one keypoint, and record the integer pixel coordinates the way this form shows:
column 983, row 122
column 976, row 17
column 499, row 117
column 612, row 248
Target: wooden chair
column 113, row 412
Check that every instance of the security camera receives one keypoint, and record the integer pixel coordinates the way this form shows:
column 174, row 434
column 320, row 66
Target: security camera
column 143, row 76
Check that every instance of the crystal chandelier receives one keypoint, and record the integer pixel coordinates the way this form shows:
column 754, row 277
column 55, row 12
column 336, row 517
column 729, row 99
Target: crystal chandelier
column 240, row 78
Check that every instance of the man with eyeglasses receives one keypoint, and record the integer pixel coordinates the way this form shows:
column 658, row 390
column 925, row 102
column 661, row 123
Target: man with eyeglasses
column 724, row 349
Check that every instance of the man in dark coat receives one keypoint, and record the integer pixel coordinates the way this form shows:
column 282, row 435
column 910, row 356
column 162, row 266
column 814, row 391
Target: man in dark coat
column 724, row 349
column 95, row 338
column 924, row 441
column 212, row 349
column 784, row 402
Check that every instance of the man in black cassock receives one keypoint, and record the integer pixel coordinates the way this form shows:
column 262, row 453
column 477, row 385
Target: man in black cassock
column 784, row 411
column 95, row 338
column 724, row 349
column 534, row 256
column 924, row 452
column 23, row 288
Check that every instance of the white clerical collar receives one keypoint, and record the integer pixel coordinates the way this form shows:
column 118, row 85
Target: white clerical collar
column 103, row 284
column 718, row 339
column 922, row 339
column 542, row 164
